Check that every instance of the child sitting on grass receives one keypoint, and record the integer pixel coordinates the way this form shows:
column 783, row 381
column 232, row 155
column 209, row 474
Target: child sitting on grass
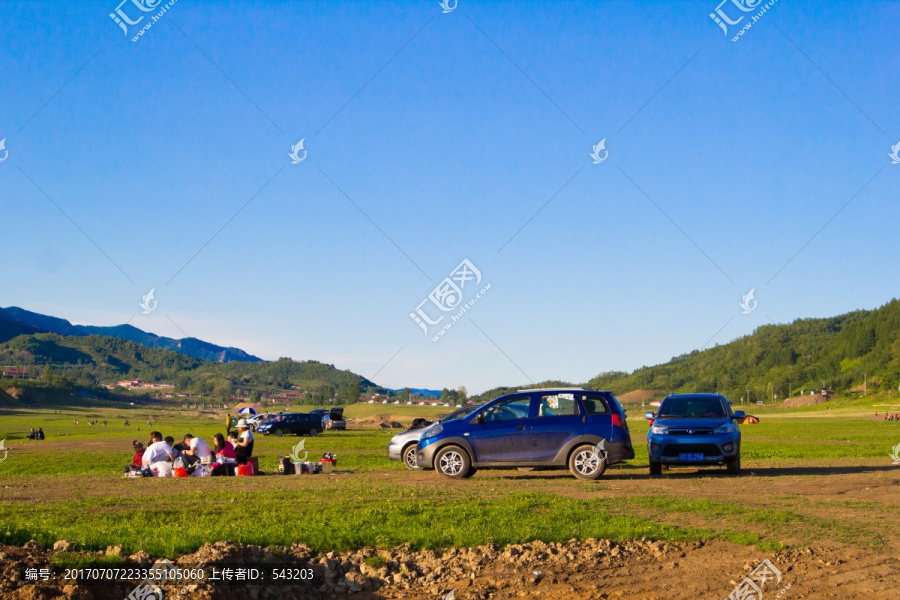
column 137, row 462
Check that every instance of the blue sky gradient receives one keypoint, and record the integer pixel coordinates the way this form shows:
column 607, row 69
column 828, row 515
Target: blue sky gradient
column 435, row 137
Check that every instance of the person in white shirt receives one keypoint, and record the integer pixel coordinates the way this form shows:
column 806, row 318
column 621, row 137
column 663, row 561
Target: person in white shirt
column 196, row 450
column 244, row 446
column 157, row 451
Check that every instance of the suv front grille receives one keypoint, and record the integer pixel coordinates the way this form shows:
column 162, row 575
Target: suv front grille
column 705, row 449
column 690, row 431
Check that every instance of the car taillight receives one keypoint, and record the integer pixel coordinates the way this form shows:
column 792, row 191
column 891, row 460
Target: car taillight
column 618, row 421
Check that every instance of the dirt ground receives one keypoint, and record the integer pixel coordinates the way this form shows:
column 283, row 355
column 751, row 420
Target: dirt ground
column 592, row 569
column 855, row 552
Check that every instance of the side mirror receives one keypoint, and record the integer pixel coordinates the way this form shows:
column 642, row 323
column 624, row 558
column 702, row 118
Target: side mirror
column 649, row 416
column 738, row 414
column 479, row 418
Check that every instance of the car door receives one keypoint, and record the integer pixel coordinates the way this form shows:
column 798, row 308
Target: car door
column 599, row 416
column 290, row 424
column 499, row 432
column 559, row 420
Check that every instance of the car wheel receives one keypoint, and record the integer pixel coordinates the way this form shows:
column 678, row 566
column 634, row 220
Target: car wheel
column 584, row 463
column 655, row 468
column 733, row 466
column 279, row 432
column 453, row 461
column 409, row 458
column 313, row 432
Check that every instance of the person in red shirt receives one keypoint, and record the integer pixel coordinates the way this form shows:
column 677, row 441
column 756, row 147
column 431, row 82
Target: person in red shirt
column 225, row 456
column 137, row 462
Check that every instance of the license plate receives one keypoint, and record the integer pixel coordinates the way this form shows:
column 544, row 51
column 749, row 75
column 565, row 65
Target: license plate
column 691, row 457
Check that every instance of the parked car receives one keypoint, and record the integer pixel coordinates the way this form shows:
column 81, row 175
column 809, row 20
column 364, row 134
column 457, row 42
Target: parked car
column 582, row 430
column 332, row 418
column 403, row 445
column 295, row 423
column 694, row 430
column 256, row 420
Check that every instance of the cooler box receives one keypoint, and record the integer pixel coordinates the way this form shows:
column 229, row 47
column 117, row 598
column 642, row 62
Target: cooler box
column 328, row 464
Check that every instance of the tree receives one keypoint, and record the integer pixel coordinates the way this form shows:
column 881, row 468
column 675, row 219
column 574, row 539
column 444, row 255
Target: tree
column 462, row 394
column 255, row 397
column 348, row 393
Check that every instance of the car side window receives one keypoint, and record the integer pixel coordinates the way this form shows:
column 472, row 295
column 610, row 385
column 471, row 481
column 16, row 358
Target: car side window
column 558, row 405
column 594, row 405
column 508, row 410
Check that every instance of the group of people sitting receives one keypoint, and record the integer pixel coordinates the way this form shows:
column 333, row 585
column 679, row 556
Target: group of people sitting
column 37, row 434
column 162, row 455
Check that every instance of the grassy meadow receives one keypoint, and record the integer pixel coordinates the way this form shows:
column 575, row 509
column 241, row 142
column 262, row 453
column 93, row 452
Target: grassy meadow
column 70, row 486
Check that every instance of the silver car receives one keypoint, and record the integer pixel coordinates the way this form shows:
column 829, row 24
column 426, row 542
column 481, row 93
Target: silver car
column 403, row 445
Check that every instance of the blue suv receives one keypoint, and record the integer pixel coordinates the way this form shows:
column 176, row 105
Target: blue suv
column 694, row 430
column 582, row 430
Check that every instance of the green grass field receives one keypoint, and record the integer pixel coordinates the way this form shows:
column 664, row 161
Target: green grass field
column 70, row 486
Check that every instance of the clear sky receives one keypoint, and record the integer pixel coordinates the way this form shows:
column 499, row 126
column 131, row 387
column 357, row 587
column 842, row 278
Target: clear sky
column 435, row 137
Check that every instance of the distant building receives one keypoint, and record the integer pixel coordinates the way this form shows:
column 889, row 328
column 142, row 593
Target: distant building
column 15, row 374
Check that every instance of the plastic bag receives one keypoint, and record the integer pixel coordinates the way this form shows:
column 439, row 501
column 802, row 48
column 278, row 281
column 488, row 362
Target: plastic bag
column 161, row 469
column 201, row 471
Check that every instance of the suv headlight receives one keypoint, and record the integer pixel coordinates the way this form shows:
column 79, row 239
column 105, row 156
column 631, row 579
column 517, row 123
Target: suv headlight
column 726, row 428
column 432, row 431
column 659, row 430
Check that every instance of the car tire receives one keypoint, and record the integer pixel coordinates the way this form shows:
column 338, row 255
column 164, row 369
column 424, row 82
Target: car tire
column 313, row 432
column 279, row 432
column 453, row 461
column 733, row 466
column 408, row 455
column 655, row 468
column 585, row 464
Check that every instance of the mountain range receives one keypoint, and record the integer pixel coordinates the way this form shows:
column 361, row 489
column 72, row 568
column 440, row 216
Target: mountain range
column 15, row 321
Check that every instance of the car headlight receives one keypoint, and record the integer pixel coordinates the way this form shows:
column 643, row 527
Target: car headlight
column 726, row 428
column 432, row 431
column 659, row 430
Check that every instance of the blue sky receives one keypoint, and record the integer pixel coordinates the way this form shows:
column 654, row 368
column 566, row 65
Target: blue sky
column 433, row 138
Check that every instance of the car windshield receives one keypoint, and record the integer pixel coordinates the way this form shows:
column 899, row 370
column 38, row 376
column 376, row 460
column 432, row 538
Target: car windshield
column 692, row 408
column 458, row 413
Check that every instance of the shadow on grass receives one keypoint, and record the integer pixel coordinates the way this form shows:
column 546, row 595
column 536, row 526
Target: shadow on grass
column 632, row 473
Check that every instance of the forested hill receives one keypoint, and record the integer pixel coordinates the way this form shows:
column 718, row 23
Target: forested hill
column 838, row 352
column 16, row 321
column 94, row 360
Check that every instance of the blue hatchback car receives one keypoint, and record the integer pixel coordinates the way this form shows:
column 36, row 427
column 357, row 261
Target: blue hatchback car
column 694, row 430
column 582, row 430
